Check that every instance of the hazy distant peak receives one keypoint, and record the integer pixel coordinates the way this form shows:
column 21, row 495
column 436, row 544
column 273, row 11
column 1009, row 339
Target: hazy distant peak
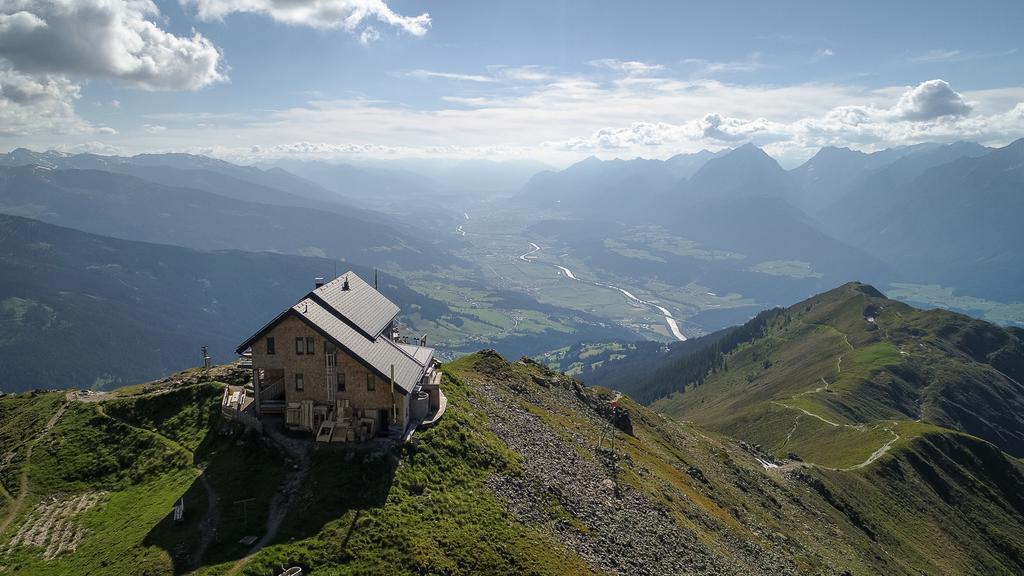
column 745, row 153
column 835, row 151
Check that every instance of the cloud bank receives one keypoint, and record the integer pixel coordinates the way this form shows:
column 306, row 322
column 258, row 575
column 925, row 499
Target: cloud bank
column 561, row 118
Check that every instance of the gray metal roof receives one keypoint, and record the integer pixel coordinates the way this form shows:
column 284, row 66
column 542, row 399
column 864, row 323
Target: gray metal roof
column 362, row 305
column 421, row 354
column 379, row 353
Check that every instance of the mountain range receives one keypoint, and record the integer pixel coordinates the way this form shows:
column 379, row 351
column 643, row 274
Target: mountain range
column 843, row 365
column 906, row 214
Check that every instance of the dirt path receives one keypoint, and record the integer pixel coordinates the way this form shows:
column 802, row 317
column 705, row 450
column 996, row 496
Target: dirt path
column 839, row 361
column 812, row 415
column 211, row 521
column 280, row 504
column 18, row 502
column 877, row 453
column 860, row 427
column 171, row 441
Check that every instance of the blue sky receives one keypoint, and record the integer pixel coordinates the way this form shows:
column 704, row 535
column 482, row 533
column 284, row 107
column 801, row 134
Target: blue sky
column 257, row 79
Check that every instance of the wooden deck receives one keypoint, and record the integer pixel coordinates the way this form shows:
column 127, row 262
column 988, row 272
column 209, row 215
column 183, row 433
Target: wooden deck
column 237, row 406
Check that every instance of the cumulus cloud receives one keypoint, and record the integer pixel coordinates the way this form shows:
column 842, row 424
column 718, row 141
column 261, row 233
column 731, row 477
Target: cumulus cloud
column 347, row 15
column 49, row 48
column 930, row 100
column 30, row 103
column 99, row 38
column 711, row 128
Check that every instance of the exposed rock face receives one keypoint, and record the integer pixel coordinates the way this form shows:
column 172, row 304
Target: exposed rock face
column 600, row 403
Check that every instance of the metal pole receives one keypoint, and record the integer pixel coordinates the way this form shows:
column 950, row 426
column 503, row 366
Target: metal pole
column 394, row 406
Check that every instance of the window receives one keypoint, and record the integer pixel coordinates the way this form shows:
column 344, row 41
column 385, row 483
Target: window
column 310, row 349
column 270, row 346
column 299, row 384
column 371, row 382
column 341, row 381
column 300, row 345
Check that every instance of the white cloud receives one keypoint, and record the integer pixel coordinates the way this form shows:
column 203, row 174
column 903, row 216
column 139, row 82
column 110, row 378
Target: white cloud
column 20, row 22
column 29, row 104
column 520, row 73
column 427, row 74
column 91, row 147
column 346, row 15
column 937, row 56
column 711, row 128
column 101, row 38
column 49, row 48
column 823, row 54
column 945, row 56
column 368, row 35
column 497, row 73
column 704, row 67
column 628, row 67
column 930, row 100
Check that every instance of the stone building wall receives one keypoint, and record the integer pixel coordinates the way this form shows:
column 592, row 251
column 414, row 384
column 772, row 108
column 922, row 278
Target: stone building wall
column 314, row 371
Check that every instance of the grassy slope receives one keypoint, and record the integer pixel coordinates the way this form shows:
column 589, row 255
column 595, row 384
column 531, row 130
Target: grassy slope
column 825, row 383
column 964, row 489
column 142, row 473
column 943, row 503
column 365, row 514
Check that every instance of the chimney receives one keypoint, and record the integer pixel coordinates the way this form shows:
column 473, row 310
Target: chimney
column 344, row 285
column 318, row 282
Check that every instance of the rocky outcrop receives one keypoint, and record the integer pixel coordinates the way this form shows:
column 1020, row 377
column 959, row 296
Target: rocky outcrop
column 575, row 489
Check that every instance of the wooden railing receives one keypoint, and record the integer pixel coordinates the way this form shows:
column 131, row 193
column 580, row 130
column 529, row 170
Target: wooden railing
column 273, row 391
